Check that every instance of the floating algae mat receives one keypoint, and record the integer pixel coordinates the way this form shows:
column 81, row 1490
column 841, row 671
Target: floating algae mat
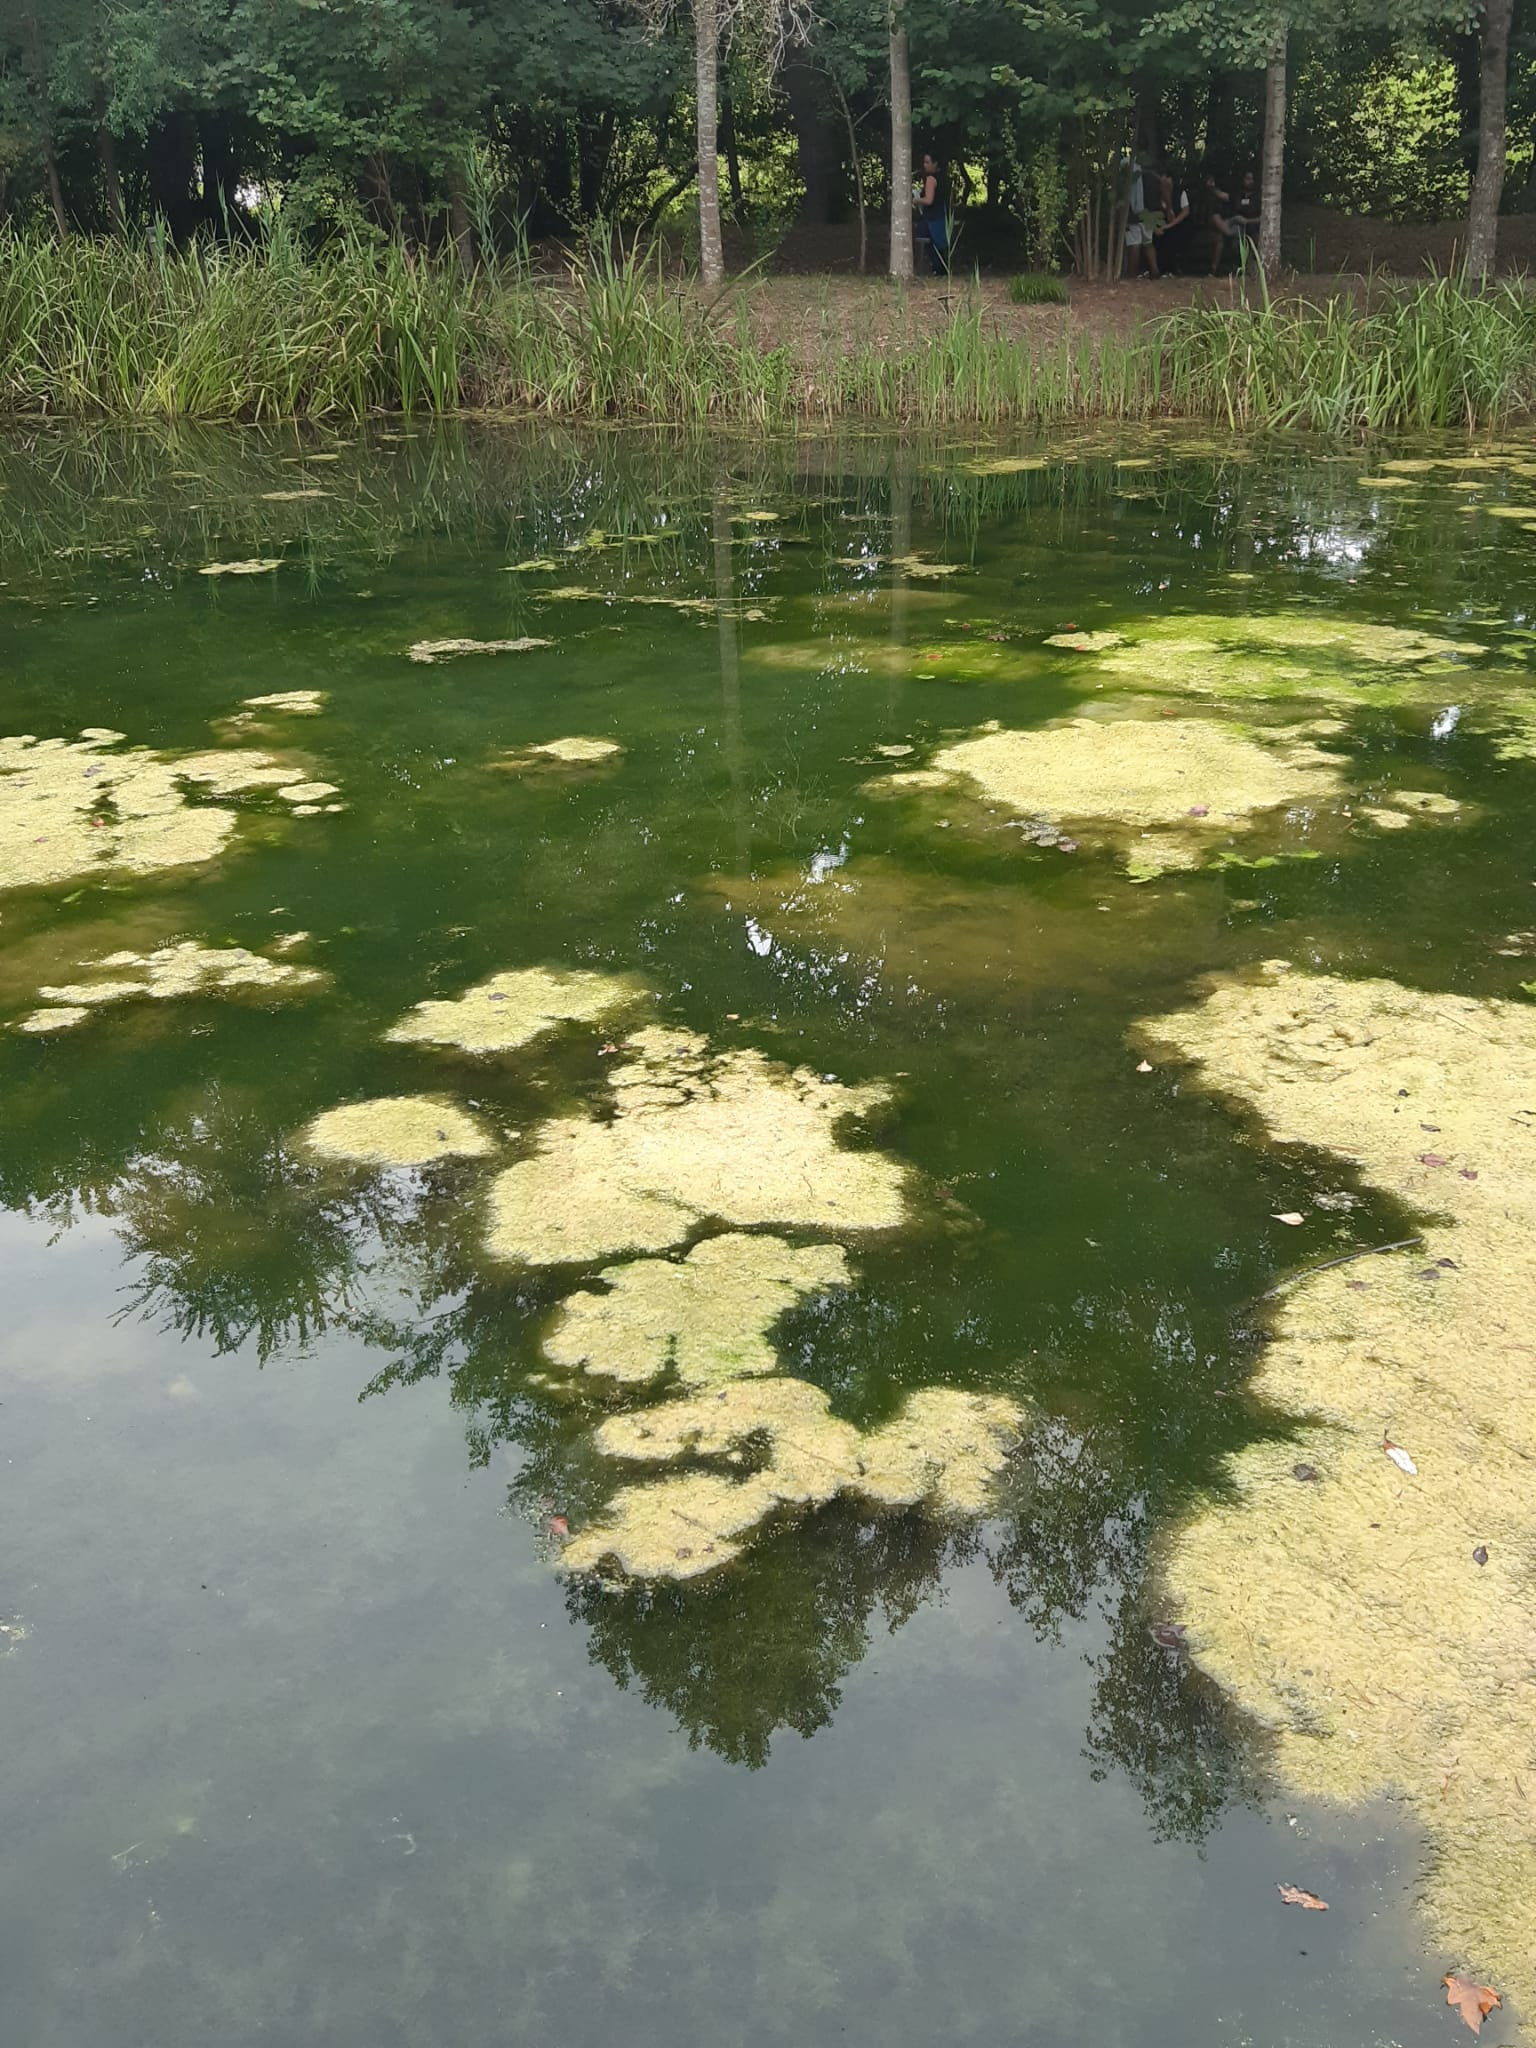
column 1382, row 1617
column 697, row 1341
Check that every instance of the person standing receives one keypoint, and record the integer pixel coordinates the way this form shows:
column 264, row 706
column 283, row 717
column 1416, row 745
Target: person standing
column 933, row 207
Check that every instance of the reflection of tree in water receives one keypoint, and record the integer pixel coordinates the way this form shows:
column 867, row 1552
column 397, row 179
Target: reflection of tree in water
column 767, row 1643
column 239, row 1241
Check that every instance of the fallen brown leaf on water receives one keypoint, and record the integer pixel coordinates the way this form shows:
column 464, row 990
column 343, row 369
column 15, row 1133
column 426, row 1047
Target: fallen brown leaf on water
column 1480, row 1555
column 559, row 1525
column 1291, row 1216
column 1168, row 1635
column 1305, row 1473
column 1473, row 2001
column 1293, row 1895
column 1432, row 1159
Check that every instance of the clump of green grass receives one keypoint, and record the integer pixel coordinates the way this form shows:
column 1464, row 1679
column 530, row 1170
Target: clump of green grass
column 1034, row 288
column 271, row 330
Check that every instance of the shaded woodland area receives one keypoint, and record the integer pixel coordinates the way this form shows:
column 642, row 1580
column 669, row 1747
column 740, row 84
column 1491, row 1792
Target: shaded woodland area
column 758, row 128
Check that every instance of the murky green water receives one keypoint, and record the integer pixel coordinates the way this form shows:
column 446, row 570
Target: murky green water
column 307, row 1737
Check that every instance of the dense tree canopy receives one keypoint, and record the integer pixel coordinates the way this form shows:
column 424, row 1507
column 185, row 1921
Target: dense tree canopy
column 477, row 118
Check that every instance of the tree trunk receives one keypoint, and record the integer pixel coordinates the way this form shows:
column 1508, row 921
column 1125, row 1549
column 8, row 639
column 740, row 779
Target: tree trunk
column 1488, row 185
column 816, row 141
column 1274, row 154
column 706, row 93
column 901, row 149
column 858, row 175
column 460, row 223
column 111, row 183
column 732, row 161
column 55, row 188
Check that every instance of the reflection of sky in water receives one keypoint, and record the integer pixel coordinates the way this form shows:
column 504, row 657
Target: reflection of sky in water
column 307, row 1738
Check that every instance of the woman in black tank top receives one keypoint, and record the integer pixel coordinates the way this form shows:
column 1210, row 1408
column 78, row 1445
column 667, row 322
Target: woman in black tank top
column 933, row 206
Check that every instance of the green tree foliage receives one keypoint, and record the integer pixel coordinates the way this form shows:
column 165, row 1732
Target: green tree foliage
column 433, row 119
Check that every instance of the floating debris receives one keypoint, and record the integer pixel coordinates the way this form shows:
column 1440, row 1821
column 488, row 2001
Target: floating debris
column 308, row 792
column 259, row 566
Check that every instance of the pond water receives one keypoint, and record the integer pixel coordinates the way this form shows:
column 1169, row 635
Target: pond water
column 312, row 1732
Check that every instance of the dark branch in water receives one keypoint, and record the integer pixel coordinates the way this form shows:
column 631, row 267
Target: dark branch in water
column 1371, row 1251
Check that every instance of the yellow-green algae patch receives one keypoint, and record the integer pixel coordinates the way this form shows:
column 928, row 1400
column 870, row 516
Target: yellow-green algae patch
column 396, row 1130
column 705, row 1318
column 307, row 792
column 942, row 1451
column 1352, row 1615
column 260, row 565
column 1268, row 655
column 1188, row 778
column 445, row 650
column 183, row 969
column 695, row 1136
column 62, row 1017
column 512, row 1009
column 575, row 751
column 301, row 703
column 71, row 808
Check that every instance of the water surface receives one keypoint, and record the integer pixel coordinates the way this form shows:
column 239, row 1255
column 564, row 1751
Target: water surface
column 308, row 1738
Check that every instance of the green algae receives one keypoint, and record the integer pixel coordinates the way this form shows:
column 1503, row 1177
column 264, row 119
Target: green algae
column 71, row 808
column 943, row 1451
column 60, row 1017
column 704, row 1319
column 695, row 1136
column 1353, row 1617
column 396, row 1130
column 1186, row 779
column 185, row 968
column 301, row 703
column 512, row 1009
column 1270, row 656
column 429, row 651
column 574, row 751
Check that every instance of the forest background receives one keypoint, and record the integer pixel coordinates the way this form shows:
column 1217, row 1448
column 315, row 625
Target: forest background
column 260, row 207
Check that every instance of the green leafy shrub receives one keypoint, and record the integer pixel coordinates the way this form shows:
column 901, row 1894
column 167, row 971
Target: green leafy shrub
column 1034, row 289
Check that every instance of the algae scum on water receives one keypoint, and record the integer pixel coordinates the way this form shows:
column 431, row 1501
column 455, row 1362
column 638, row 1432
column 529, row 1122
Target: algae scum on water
column 731, row 1097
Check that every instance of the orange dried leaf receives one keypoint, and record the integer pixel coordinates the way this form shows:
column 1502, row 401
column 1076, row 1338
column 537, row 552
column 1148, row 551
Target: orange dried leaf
column 1473, row 2001
column 1293, row 1895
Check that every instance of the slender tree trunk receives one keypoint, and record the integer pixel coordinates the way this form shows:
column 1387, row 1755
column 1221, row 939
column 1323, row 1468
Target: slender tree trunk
column 706, row 94
column 858, row 175
column 111, row 183
column 1488, row 185
column 55, row 188
column 1274, row 153
column 732, row 161
column 460, row 223
column 901, row 148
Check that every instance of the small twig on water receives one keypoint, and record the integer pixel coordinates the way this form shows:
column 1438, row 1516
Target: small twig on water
column 1371, row 1251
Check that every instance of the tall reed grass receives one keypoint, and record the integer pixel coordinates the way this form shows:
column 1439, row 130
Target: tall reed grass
column 272, row 331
